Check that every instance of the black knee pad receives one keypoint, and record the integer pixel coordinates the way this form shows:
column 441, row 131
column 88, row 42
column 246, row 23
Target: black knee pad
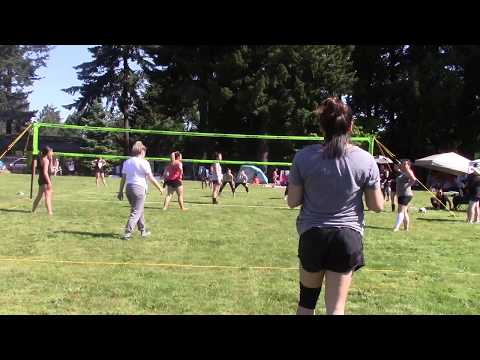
column 308, row 297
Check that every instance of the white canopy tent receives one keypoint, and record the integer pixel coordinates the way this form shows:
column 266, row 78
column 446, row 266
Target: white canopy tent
column 450, row 163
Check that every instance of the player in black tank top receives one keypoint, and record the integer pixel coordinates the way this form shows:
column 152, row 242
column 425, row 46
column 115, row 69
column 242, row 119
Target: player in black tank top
column 44, row 181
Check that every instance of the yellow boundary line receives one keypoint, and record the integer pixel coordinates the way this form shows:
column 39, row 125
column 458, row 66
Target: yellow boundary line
column 192, row 266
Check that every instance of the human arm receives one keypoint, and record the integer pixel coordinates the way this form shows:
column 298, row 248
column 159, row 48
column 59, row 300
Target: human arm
column 411, row 175
column 373, row 193
column 295, row 186
column 374, row 199
column 122, row 186
column 45, row 170
column 295, row 195
column 154, row 181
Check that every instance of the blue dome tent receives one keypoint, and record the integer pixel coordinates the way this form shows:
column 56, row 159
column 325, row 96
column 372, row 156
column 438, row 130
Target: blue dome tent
column 251, row 171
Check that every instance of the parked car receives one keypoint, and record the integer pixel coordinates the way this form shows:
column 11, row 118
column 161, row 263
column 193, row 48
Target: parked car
column 20, row 165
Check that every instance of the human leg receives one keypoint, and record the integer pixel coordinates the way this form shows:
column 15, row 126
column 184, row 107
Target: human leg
column 406, row 219
column 41, row 190
column 180, row 197
column 168, row 197
column 400, row 217
column 336, row 291
column 310, row 287
column 136, row 198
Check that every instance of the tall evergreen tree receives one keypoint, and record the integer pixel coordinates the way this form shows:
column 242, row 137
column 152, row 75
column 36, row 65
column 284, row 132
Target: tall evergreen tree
column 114, row 74
column 18, row 71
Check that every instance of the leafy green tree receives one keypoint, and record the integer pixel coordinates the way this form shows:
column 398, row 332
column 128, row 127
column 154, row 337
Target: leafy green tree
column 253, row 89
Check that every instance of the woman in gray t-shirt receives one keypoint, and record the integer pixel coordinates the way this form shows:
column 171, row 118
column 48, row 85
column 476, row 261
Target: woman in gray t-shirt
column 404, row 194
column 329, row 182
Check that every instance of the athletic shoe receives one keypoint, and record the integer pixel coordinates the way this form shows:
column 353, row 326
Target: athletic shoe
column 126, row 236
column 145, row 233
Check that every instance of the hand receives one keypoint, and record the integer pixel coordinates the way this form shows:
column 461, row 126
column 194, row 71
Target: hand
column 161, row 191
column 120, row 195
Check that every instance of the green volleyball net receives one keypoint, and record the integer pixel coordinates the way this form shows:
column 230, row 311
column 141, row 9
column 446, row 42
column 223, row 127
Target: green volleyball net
column 161, row 143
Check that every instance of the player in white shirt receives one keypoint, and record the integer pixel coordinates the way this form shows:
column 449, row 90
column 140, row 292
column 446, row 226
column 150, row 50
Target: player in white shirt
column 135, row 172
column 217, row 177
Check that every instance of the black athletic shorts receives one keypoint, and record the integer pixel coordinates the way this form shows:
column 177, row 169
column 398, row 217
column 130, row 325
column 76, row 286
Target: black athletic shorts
column 335, row 249
column 173, row 183
column 404, row 200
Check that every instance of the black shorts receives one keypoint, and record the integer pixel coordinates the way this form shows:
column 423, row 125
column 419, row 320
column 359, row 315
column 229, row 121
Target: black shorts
column 42, row 181
column 173, row 183
column 334, row 249
column 404, row 200
column 216, row 182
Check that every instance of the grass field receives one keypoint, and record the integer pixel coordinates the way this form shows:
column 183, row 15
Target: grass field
column 75, row 263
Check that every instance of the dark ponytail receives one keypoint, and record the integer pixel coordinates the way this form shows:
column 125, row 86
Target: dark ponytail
column 46, row 150
column 335, row 119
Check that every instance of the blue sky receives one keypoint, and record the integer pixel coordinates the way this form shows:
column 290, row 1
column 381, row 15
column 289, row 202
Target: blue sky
column 57, row 75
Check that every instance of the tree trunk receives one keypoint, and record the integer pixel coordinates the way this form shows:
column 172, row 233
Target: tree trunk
column 126, row 125
column 124, row 107
column 263, row 149
column 8, row 126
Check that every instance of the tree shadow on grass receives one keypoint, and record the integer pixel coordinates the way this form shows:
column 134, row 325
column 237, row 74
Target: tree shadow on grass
column 87, row 233
column 441, row 220
column 16, row 211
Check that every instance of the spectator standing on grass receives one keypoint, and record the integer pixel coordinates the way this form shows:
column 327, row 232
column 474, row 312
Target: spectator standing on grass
column 44, row 180
column 275, row 178
column 384, row 182
column 99, row 170
column 71, row 167
column 135, row 173
column 473, row 190
column 405, row 180
column 329, row 182
column 392, row 180
column 286, row 175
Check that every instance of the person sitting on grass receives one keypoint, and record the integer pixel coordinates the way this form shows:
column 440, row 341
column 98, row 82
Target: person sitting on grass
column 174, row 180
column 228, row 179
column 440, row 200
